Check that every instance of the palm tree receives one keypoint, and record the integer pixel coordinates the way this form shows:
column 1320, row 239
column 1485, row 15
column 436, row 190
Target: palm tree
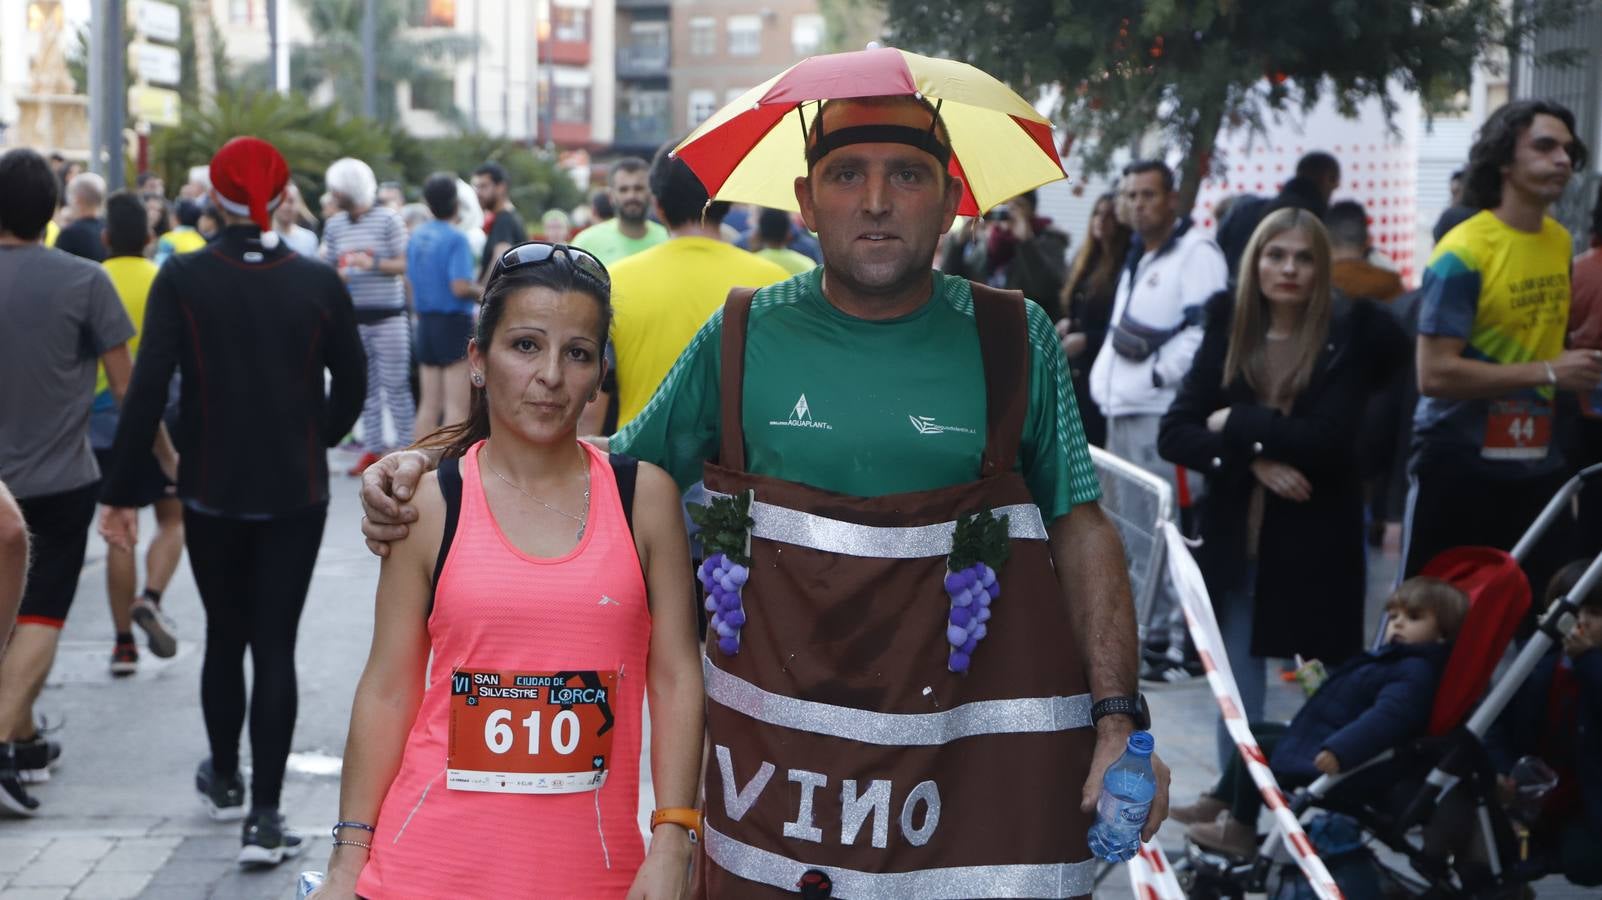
column 335, row 54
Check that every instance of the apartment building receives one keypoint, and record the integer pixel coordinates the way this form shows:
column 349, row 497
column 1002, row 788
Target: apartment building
column 725, row 47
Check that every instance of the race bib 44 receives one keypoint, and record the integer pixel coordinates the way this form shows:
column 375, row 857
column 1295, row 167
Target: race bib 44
column 517, row 732
column 1517, row 429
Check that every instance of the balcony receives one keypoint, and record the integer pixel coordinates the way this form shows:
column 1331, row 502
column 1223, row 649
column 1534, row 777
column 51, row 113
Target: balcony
column 643, row 131
column 642, row 4
column 642, row 61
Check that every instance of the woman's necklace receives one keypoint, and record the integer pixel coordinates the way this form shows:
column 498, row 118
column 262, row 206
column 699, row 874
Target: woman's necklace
column 582, row 519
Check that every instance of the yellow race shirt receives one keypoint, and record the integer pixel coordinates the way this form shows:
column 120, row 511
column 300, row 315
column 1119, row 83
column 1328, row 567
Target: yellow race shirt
column 132, row 277
column 1504, row 292
column 661, row 297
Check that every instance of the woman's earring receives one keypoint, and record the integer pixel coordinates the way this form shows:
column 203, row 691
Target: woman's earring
column 478, row 380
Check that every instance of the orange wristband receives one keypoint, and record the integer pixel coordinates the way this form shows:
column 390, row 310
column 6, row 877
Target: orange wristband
column 689, row 819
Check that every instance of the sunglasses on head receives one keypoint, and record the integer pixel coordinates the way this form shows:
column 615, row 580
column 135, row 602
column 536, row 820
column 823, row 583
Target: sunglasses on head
column 536, row 253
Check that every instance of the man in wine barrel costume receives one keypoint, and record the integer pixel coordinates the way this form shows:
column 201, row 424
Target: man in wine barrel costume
column 877, row 727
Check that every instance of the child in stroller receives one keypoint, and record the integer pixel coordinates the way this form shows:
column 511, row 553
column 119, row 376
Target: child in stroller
column 1372, row 703
column 1557, row 716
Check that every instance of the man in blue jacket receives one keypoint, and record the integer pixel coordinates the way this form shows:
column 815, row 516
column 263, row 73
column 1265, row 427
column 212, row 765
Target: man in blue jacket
column 1369, row 705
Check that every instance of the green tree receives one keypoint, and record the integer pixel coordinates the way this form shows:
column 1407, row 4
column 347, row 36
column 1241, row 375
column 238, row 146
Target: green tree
column 335, row 54
column 309, row 137
column 1185, row 70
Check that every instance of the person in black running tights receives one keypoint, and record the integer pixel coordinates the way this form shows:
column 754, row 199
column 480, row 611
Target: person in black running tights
column 251, row 326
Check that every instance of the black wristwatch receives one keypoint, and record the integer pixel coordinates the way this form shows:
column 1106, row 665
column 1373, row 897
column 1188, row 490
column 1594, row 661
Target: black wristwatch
column 1133, row 706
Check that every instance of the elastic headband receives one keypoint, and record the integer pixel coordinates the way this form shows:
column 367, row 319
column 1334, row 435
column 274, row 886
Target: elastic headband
column 923, row 139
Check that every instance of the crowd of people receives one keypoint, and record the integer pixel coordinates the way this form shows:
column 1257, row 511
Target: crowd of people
column 537, row 419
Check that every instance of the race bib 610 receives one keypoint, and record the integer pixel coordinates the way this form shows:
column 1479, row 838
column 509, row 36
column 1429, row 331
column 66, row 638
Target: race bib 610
column 530, row 732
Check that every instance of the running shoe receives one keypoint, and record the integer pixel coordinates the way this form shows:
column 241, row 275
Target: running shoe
column 224, row 797
column 124, row 659
column 158, row 627
column 35, row 757
column 267, row 841
column 14, row 798
column 367, row 459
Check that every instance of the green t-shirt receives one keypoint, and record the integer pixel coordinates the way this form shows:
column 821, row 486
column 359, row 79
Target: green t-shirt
column 609, row 245
column 862, row 407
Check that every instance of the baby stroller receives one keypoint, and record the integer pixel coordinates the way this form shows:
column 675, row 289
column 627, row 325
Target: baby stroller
column 1435, row 802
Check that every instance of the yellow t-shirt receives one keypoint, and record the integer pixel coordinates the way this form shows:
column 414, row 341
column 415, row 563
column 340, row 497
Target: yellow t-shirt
column 51, row 230
column 132, row 277
column 661, row 297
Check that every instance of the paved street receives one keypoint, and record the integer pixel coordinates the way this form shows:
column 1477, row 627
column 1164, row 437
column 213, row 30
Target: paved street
column 120, row 819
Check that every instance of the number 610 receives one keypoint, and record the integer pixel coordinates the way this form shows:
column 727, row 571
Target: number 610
column 498, row 735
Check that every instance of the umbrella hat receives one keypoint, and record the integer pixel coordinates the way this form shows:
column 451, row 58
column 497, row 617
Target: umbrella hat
column 748, row 153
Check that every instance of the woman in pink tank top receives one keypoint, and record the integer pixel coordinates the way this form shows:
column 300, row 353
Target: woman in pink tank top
column 494, row 746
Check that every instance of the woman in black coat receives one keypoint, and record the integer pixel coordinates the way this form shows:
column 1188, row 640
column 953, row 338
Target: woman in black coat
column 1270, row 413
column 1087, row 298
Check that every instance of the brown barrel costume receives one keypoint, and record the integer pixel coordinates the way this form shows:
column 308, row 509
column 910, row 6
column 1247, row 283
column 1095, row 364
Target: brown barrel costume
column 839, row 699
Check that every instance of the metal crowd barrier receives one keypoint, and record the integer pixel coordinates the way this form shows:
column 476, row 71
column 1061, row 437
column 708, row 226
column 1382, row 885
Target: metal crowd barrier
column 1136, row 501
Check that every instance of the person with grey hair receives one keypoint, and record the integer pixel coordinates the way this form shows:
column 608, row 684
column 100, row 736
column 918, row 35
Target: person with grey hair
column 86, row 197
column 368, row 245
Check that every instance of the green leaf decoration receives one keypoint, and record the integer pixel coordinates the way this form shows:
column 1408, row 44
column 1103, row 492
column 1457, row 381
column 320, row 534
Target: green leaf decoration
column 980, row 538
column 725, row 525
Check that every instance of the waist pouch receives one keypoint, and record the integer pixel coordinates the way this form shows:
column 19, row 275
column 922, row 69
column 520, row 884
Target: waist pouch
column 1136, row 341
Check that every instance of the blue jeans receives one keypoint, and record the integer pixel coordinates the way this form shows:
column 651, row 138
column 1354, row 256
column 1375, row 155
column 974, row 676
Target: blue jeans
column 1234, row 612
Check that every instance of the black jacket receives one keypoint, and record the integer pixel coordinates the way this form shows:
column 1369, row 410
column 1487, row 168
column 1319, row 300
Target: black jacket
column 1310, row 575
column 251, row 330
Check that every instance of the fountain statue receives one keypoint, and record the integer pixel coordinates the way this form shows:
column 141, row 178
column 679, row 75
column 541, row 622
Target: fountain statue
column 51, row 116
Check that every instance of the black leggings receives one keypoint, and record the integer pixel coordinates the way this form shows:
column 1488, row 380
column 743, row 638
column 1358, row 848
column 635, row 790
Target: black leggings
column 253, row 578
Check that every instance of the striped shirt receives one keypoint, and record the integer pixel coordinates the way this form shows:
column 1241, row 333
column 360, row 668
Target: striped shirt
column 381, row 233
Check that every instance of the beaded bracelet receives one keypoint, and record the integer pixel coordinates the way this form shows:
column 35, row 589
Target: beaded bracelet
column 362, row 825
column 344, row 843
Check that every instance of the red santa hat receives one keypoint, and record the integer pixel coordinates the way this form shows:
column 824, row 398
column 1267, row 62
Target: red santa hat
column 248, row 175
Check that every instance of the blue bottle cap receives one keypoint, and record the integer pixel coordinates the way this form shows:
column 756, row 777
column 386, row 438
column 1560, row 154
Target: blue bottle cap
column 1141, row 743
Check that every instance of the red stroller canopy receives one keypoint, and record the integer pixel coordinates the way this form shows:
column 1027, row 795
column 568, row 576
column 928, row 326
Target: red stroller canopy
column 1499, row 598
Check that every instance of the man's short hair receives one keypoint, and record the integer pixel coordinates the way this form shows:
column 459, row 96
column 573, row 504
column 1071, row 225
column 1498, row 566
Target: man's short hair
column 1142, row 166
column 187, row 212
column 88, row 189
column 28, row 191
column 680, row 194
column 601, row 205
column 625, row 166
column 127, row 224
column 495, row 171
column 1317, row 166
column 773, row 226
column 941, row 134
column 1497, row 140
column 1347, row 224
column 439, row 192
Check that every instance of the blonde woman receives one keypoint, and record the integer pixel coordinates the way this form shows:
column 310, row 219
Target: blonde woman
column 1270, row 413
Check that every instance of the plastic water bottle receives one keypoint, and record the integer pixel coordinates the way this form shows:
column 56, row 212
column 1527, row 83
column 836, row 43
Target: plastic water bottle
column 1126, row 793
column 306, row 883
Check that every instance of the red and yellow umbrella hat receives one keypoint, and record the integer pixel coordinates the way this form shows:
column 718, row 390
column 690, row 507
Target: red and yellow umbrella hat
column 748, row 153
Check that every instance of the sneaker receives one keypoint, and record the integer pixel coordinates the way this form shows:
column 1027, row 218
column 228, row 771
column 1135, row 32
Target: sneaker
column 14, row 798
column 1226, row 836
column 35, row 757
column 157, row 626
column 367, row 459
column 124, row 659
column 1206, row 809
column 224, row 797
column 267, row 841
column 1167, row 672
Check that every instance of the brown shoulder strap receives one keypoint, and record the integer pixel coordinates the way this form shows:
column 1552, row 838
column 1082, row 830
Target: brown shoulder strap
column 731, row 380
column 1003, row 324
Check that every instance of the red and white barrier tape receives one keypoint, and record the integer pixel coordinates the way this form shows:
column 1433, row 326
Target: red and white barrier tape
column 1150, row 876
column 1198, row 608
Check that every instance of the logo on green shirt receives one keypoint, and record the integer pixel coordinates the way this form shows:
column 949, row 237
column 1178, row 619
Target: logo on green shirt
column 926, row 425
column 801, row 417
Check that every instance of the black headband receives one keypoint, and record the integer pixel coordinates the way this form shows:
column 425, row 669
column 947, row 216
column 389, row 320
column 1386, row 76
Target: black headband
column 923, row 139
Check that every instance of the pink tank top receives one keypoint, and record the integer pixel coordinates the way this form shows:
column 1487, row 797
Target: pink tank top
column 551, row 630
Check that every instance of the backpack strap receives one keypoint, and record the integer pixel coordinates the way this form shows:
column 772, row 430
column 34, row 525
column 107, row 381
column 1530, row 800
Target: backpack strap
column 450, row 486
column 1002, row 321
column 625, row 469
column 731, row 378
